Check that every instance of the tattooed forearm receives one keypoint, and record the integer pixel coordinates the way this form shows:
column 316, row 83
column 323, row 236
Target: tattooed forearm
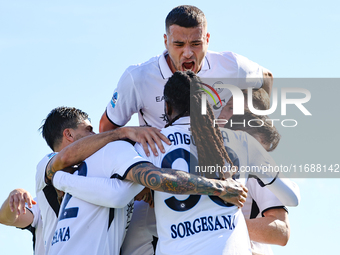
column 180, row 182
column 50, row 171
column 174, row 181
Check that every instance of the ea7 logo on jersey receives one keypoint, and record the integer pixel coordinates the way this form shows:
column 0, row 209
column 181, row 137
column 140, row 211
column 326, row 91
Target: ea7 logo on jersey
column 114, row 99
column 159, row 99
column 61, row 235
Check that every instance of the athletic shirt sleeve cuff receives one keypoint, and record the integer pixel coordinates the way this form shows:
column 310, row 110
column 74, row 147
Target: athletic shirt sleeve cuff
column 57, row 180
column 274, row 207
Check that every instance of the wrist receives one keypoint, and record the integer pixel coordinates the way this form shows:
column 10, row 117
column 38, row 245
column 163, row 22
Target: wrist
column 221, row 188
column 119, row 133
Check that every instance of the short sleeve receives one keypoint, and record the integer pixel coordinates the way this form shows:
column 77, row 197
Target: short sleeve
column 36, row 214
column 250, row 74
column 125, row 101
column 258, row 156
column 264, row 198
column 40, row 174
column 152, row 158
column 119, row 157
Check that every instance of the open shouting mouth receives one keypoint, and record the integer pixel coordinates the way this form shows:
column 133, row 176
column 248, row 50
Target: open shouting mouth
column 188, row 66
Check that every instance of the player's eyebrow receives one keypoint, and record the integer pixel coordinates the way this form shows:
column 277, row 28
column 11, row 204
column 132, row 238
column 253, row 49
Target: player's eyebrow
column 178, row 41
column 197, row 41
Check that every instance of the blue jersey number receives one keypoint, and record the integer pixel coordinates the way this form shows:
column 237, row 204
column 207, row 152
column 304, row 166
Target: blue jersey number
column 192, row 200
column 72, row 212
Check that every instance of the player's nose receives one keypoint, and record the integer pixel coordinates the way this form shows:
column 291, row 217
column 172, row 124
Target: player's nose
column 187, row 52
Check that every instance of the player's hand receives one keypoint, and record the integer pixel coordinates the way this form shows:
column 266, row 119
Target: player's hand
column 146, row 196
column 147, row 136
column 17, row 200
column 235, row 192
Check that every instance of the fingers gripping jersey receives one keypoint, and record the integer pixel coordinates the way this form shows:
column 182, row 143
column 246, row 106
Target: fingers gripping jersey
column 194, row 224
column 85, row 228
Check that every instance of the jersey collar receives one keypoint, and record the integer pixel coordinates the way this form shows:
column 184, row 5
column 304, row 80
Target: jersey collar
column 182, row 121
column 165, row 69
column 163, row 66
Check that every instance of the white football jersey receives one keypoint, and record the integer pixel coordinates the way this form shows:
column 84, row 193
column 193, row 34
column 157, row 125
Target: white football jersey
column 48, row 202
column 36, row 229
column 259, row 199
column 138, row 239
column 140, row 88
column 85, row 228
column 247, row 154
column 194, row 224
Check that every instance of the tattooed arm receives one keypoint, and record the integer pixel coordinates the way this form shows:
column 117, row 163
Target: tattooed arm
column 86, row 146
column 180, row 182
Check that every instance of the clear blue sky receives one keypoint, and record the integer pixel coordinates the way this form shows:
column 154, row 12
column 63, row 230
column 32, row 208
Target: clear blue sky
column 55, row 53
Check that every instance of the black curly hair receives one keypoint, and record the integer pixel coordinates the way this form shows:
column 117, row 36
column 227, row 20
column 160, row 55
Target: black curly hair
column 183, row 92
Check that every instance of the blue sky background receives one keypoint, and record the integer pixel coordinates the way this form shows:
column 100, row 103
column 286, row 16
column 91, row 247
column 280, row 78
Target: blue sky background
column 73, row 53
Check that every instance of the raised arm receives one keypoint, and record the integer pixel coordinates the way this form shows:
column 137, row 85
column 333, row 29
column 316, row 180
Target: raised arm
column 146, row 135
column 180, row 182
column 273, row 228
column 13, row 211
column 105, row 124
column 86, row 146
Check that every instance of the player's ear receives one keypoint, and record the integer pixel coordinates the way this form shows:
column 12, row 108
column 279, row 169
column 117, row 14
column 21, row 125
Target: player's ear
column 68, row 135
column 165, row 41
column 208, row 37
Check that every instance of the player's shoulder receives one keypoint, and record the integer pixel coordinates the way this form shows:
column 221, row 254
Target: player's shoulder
column 221, row 55
column 241, row 138
column 175, row 129
column 232, row 135
column 150, row 64
column 41, row 167
column 227, row 56
column 44, row 161
column 116, row 146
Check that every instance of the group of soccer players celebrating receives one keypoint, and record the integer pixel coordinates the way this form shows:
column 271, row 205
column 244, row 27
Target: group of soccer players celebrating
column 136, row 190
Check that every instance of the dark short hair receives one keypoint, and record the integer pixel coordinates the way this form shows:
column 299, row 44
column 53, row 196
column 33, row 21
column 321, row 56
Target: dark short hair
column 185, row 16
column 57, row 121
column 183, row 92
column 177, row 90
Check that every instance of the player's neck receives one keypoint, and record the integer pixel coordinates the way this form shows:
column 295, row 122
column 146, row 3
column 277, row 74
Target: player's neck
column 170, row 63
